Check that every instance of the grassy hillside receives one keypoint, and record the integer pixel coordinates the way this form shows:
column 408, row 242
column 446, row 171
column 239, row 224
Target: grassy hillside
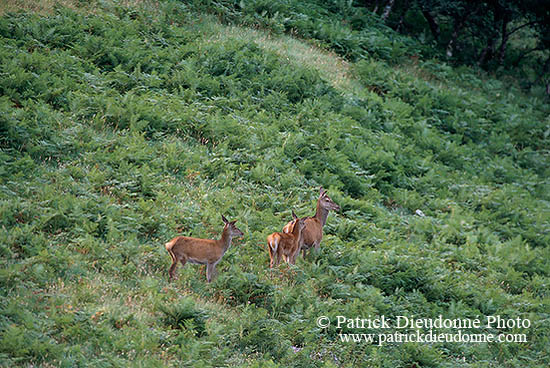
column 126, row 126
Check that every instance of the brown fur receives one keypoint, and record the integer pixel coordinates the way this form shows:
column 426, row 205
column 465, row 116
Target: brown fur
column 285, row 245
column 201, row 251
column 313, row 231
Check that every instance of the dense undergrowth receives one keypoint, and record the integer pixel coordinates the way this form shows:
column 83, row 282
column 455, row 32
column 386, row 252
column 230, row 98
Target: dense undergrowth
column 123, row 128
column 349, row 31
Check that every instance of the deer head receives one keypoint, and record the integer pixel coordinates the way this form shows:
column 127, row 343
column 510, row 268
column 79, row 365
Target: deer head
column 230, row 227
column 325, row 202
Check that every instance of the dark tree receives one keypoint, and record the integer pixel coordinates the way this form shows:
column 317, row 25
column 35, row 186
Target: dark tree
column 477, row 32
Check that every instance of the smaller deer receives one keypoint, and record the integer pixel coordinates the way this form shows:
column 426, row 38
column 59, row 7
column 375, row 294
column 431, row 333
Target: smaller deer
column 313, row 231
column 286, row 245
column 201, row 251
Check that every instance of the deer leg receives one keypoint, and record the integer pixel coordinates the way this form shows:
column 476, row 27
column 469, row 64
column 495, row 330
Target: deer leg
column 210, row 268
column 293, row 258
column 297, row 254
column 271, row 259
column 172, row 270
column 271, row 255
column 274, row 251
column 183, row 261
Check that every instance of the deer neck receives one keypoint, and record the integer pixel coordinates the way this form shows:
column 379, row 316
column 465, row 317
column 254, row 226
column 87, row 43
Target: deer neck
column 225, row 241
column 321, row 214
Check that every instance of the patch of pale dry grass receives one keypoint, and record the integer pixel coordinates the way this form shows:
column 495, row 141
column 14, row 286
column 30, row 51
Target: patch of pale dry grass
column 332, row 67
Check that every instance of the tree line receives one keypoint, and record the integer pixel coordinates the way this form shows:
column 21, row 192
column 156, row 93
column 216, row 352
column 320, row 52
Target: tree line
column 488, row 33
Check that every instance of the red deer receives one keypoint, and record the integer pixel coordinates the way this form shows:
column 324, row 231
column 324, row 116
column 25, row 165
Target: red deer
column 313, row 231
column 286, row 245
column 201, row 251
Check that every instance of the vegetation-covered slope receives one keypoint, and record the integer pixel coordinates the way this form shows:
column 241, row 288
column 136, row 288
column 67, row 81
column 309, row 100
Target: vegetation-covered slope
column 123, row 128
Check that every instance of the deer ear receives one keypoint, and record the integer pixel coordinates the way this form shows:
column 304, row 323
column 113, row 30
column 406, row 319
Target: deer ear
column 233, row 222
column 224, row 219
column 294, row 215
column 322, row 192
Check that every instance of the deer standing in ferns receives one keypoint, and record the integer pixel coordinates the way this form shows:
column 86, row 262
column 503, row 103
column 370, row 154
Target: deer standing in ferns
column 286, row 245
column 313, row 230
column 201, row 251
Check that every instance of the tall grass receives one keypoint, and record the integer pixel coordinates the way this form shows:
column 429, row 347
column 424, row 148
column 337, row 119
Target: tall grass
column 123, row 128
